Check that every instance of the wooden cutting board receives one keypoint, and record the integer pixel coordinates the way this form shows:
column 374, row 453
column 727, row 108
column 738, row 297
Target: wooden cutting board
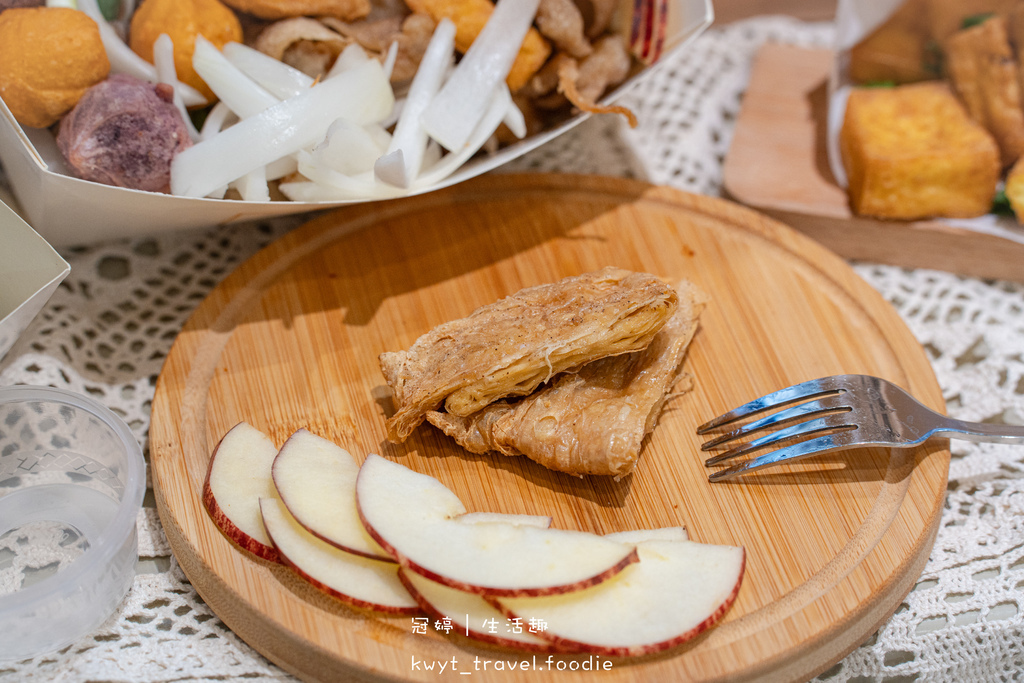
column 778, row 164
column 291, row 339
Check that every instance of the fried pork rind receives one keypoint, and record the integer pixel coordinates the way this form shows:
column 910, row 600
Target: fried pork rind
column 303, row 43
column 412, row 33
column 581, row 83
column 510, row 347
column 593, row 421
column 983, row 71
column 562, row 23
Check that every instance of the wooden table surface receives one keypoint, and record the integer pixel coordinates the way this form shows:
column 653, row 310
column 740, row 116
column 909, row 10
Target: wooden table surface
column 810, row 10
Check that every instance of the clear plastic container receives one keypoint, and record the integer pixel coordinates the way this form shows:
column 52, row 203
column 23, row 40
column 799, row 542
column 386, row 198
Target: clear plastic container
column 72, row 478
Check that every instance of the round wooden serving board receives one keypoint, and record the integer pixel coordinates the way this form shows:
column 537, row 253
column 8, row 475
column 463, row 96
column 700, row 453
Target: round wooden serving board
column 291, row 340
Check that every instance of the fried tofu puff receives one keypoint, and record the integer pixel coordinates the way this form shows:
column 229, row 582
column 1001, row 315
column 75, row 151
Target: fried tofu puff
column 914, row 152
column 983, row 71
column 49, row 57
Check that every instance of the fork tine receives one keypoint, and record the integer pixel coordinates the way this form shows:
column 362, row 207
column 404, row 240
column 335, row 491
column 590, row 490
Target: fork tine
column 829, row 442
column 798, row 392
column 805, row 410
column 807, row 428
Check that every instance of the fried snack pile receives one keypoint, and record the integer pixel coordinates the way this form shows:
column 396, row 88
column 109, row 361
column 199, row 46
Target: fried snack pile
column 971, row 53
column 49, row 57
column 572, row 374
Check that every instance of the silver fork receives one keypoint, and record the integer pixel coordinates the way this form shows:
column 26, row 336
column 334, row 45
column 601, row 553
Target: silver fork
column 835, row 413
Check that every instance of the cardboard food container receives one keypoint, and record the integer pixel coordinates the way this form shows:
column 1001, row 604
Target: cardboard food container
column 69, row 211
column 30, row 271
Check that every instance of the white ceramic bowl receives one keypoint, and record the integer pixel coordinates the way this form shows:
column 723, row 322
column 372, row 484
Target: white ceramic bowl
column 30, row 271
column 68, row 211
column 72, row 480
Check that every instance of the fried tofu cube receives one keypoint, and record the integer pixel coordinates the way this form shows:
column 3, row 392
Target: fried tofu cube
column 946, row 17
column 1015, row 189
column 983, row 71
column 898, row 51
column 913, row 152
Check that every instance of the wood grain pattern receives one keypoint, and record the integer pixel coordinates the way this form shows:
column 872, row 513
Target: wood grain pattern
column 778, row 164
column 291, row 339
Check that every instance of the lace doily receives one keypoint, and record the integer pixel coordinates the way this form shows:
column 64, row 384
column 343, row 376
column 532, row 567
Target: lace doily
column 108, row 328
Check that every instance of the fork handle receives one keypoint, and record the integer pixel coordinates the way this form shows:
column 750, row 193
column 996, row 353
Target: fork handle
column 980, row 431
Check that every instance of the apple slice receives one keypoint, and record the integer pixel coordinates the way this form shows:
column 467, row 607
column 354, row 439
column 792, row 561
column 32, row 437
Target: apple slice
column 411, row 515
column 471, row 615
column 666, row 533
column 539, row 521
column 353, row 579
column 676, row 591
column 316, row 480
column 237, row 477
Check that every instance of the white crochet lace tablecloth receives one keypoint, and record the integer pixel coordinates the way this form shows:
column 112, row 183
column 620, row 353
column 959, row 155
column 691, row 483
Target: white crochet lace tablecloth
column 107, row 330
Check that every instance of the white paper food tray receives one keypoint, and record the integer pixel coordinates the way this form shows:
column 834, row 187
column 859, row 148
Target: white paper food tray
column 30, row 271
column 69, row 211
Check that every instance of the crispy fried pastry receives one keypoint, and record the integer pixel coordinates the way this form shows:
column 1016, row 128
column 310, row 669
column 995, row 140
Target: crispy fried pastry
column 983, row 71
column 510, row 347
column 592, row 421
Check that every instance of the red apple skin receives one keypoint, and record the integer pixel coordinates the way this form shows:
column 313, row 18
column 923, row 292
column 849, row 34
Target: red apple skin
column 226, row 526
column 493, row 639
column 339, row 546
column 406, row 563
column 344, row 597
column 639, row 650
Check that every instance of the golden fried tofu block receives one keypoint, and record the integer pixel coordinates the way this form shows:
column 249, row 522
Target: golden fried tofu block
column 1015, row 189
column 898, row 51
column 913, row 152
column 946, row 17
column 983, row 71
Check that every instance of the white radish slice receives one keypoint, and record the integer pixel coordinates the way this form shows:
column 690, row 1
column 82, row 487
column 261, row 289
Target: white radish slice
column 451, row 162
column 309, row 191
column 347, row 148
column 352, row 56
column 405, row 153
column 124, row 60
column 316, row 480
column 471, row 615
column 515, row 120
column 390, row 58
column 220, row 117
column 464, row 98
column 361, row 95
column 163, row 60
column 276, row 77
column 674, row 593
column 358, row 581
column 240, row 93
column 411, row 515
column 253, row 185
column 362, row 185
column 237, row 477
column 282, row 167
